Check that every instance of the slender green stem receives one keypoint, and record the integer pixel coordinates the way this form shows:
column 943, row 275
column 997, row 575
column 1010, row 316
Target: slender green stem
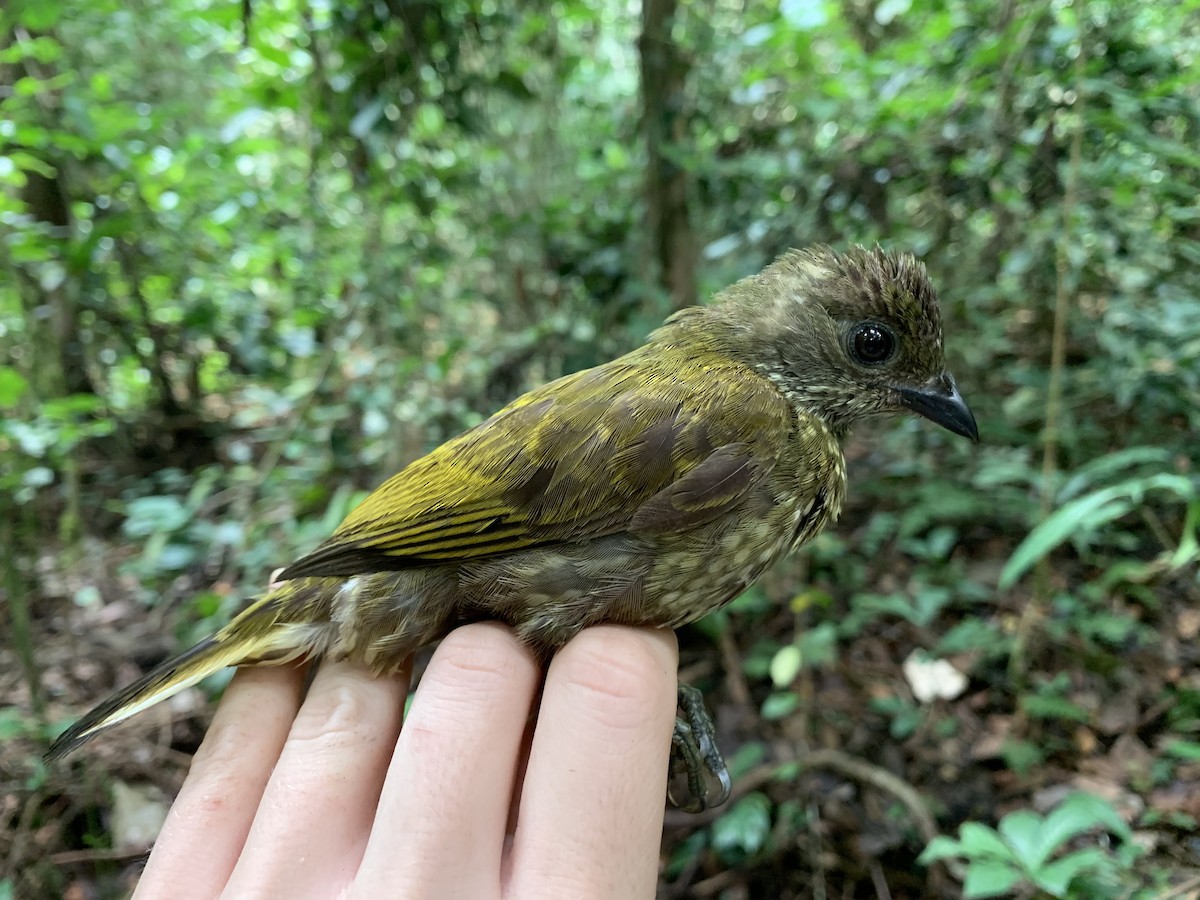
column 1034, row 610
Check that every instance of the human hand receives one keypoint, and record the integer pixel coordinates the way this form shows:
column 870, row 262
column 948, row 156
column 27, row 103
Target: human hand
column 327, row 796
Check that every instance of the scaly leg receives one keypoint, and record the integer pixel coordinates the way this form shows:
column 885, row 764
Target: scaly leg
column 695, row 756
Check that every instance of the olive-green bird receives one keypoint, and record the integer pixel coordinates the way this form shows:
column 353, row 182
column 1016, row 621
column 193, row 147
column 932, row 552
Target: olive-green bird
column 650, row 490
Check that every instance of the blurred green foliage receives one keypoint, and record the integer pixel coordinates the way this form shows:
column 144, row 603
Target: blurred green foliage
column 257, row 256
column 1023, row 855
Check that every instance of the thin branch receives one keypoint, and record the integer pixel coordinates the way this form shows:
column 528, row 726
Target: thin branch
column 877, row 776
column 836, row 761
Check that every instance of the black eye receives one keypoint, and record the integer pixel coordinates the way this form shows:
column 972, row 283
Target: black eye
column 872, row 344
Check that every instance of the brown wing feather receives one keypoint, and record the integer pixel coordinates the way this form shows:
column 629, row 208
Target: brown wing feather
column 625, row 446
column 713, row 487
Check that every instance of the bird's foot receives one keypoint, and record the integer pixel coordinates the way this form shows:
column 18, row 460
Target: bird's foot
column 695, row 757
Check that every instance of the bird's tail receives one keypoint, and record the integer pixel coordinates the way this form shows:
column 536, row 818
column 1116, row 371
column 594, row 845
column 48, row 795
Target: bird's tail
column 291, row 622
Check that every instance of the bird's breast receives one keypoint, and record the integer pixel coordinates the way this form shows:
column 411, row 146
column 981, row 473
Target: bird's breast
column 697, row 574
column 550, row 592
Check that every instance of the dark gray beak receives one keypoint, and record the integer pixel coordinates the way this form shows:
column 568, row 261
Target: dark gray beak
column 939, row 401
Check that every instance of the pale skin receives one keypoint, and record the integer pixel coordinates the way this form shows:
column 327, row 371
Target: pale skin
column 327, row 796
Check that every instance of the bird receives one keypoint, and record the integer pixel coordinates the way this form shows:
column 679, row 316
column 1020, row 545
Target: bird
column 646, row 491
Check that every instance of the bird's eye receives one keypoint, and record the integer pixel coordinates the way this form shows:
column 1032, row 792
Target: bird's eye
column 872, row 344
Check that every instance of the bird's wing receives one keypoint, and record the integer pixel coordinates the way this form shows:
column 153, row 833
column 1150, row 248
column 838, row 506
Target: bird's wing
column 628, row 446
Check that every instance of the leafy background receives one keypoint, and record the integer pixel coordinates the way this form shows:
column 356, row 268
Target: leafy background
column 257, row 256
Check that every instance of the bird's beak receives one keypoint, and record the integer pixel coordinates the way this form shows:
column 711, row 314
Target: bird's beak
column 939, row 401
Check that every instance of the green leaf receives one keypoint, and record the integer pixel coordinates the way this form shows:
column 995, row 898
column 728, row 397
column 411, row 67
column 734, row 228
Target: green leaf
column 746, row 757
column 819, row 645
column 1087, row 513
column 240, row 123
column 1188, row 750
column 685, row 853
column 751, row 600
column 779, row 706
column 905, row 722
column 745, row 827
column 979, row 840
column 1022, row 756
column 1056, row 878
column 430, row 119
column 990, row 878
column 1078, row 813
column 155, row 515
column 888, row 10
column 1100, row 469
column 38, row 476
column 365, row 119
column 27, row 162
column 39, row 16
column 804, row 15
column 173, row 557
column 785, row 665
column 1021, row 829
column 1188, row 550
column 974, row 635
column 14, row 724
column 941, row 847
column 1051, row 706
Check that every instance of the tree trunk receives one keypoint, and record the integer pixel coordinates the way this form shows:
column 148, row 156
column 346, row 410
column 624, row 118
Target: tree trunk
column 664, row 73
column 46, row 201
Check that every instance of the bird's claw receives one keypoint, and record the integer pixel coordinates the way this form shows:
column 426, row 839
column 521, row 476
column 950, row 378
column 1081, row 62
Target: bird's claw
column 695, row 756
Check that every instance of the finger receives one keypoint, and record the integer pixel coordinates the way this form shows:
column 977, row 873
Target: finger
column 208, row 823
column 316, row 812
column 440, row 828
column 592, row 805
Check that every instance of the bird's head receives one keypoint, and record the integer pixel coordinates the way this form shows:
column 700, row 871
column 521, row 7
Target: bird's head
column 848, row 336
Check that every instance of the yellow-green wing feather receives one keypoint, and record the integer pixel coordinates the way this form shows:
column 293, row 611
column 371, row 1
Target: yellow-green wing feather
column 670, row 458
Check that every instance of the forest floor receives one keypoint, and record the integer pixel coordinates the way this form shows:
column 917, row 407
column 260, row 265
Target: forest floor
column 875, row 775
